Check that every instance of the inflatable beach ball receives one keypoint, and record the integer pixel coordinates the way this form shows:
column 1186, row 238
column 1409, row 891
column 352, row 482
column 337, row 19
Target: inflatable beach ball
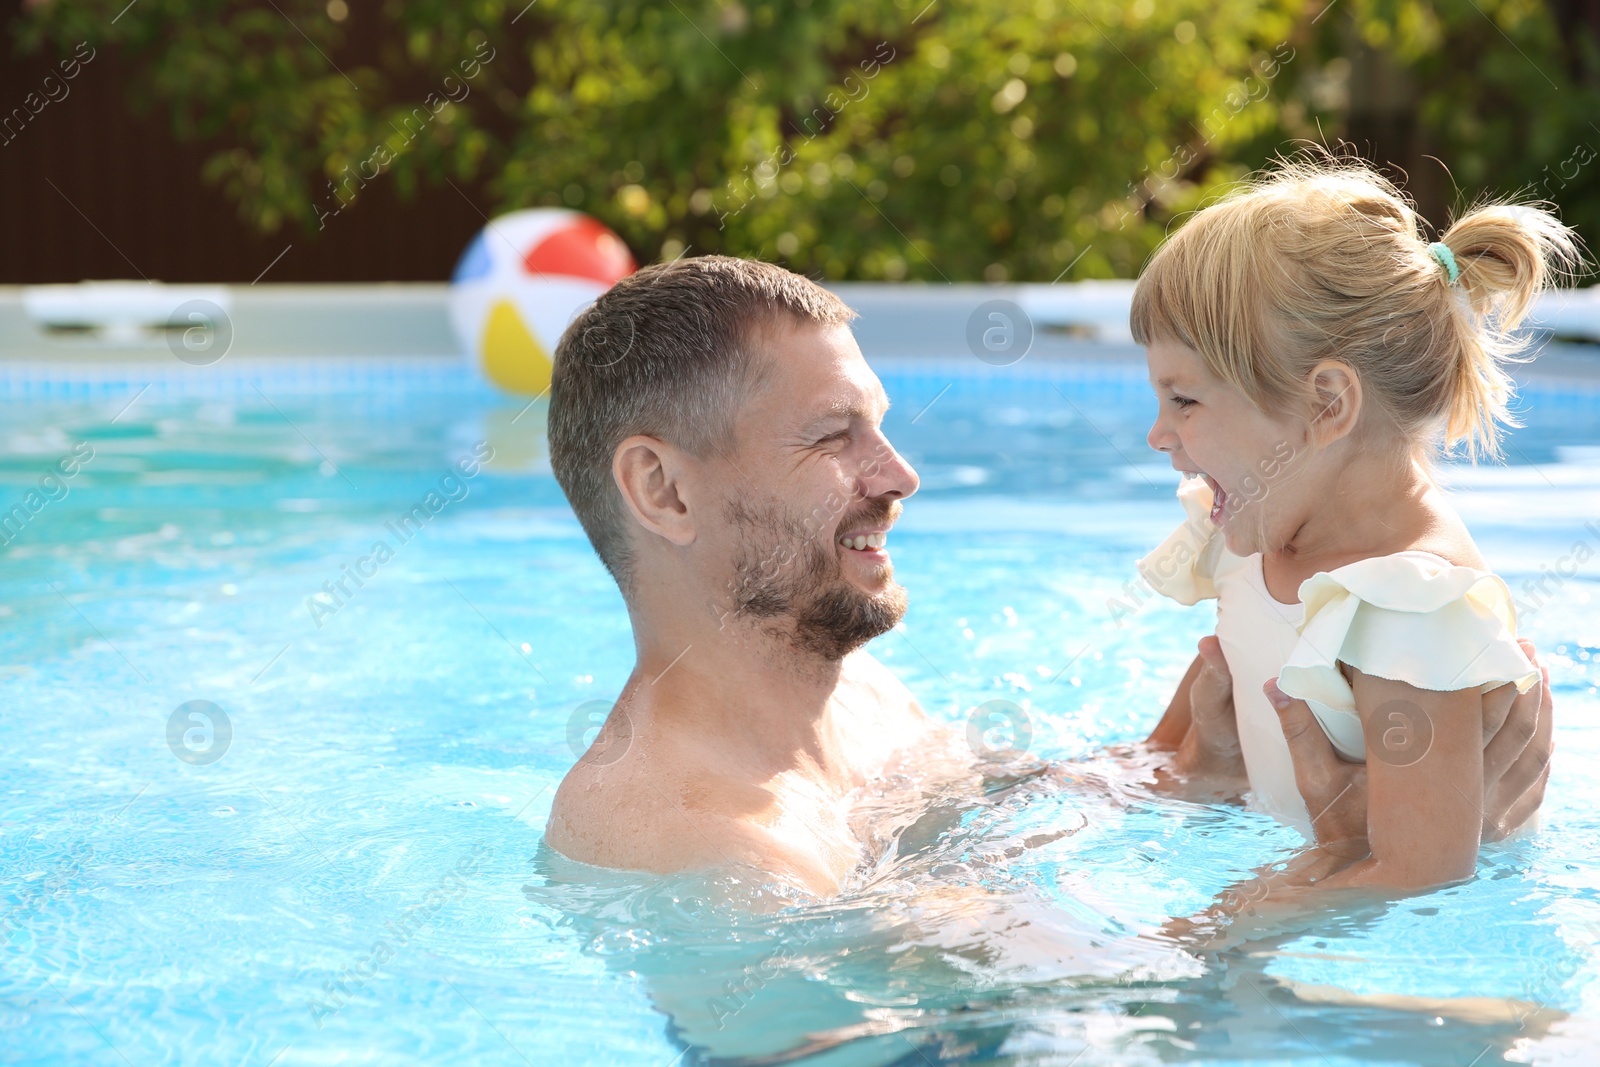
column 520, row 282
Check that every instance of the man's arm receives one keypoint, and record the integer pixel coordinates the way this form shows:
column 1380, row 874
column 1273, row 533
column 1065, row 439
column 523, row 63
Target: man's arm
column 1174, row 725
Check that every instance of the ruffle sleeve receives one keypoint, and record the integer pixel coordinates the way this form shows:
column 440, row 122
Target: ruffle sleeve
column 1184, row 566
column 1411, row 617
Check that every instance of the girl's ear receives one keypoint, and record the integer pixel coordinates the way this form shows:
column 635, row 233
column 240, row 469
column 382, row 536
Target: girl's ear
column 1336, row 403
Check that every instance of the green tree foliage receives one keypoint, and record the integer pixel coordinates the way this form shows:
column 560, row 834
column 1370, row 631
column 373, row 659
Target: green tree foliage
column 952, row 139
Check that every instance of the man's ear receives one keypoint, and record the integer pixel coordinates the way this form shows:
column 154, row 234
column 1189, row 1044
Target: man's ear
column 1336, row 401
column 652, row 477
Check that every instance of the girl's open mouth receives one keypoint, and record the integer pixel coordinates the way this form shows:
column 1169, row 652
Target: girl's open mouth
column 1219, row 500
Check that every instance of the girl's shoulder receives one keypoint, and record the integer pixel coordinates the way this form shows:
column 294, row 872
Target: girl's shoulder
column 1412, row 616
column 1443, row 533
column 1447, row 539
column 1416, row 583
column 1434, row 564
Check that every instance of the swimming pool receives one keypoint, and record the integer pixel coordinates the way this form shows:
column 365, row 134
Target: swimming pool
column 336, row 859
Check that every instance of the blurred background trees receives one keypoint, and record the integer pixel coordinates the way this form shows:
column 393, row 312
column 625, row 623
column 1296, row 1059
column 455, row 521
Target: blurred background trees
column 869, row 139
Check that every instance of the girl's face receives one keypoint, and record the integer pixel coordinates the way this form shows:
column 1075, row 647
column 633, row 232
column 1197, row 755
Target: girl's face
column 1210, row 428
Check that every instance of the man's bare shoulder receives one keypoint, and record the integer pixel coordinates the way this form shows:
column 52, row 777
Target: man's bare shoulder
column 619, row 814
column 670, row 802
column 644, row 816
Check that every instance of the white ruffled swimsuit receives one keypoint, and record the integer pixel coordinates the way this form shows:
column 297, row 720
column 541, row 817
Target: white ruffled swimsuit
column 1411, row 617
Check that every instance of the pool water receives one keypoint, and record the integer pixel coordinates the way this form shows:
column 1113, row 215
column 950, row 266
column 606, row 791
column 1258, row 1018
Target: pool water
column 399, row 640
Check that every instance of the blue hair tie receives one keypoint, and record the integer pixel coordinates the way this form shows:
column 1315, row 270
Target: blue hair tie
column 1447, row 259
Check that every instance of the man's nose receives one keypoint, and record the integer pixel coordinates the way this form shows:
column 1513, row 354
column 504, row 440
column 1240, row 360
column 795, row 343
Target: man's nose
column 887, row 474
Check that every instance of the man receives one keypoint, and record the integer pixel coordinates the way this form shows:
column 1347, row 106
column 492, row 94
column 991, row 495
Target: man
column 718, row 434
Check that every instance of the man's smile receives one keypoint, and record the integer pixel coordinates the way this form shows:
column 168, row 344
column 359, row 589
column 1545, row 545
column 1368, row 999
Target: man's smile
column 865, row 541
column 865, row 537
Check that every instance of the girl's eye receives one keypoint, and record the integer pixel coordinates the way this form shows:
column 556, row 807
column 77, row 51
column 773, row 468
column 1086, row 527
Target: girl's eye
column 1184, row 402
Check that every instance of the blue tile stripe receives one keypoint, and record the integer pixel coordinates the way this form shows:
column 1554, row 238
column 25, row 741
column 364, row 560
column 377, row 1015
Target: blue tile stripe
column 1111, row 380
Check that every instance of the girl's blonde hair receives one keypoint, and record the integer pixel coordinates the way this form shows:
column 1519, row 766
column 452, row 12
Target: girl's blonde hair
column 1324, row 259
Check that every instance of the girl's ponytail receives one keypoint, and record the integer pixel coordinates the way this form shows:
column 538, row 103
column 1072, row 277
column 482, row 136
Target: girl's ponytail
column 1506, row 255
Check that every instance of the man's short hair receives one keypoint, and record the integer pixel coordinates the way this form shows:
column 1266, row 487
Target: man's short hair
column 669, row 352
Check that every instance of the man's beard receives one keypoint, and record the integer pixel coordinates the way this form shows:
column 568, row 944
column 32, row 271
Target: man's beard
column 785, row 571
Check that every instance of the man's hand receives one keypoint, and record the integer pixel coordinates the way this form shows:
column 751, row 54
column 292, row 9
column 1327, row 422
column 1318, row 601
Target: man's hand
column 1210, row 748
column 1516, row 761
column 1516, row 766
column 1335, row 790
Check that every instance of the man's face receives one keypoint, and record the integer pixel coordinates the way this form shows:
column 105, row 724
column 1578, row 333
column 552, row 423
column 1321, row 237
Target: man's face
column 811, row 491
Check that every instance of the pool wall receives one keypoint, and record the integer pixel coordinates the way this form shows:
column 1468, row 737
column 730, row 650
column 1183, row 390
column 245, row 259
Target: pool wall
column 73, row 341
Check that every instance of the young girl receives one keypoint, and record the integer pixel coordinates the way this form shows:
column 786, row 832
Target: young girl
column 1311, row 354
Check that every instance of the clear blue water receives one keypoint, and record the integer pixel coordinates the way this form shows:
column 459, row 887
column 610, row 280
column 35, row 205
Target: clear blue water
column 357, row 876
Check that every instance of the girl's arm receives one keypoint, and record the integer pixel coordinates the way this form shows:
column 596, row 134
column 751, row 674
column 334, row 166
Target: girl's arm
column 1424, row 785
column 1511, row 772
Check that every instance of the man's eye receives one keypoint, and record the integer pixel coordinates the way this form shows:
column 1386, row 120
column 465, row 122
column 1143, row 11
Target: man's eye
column 840, row 436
